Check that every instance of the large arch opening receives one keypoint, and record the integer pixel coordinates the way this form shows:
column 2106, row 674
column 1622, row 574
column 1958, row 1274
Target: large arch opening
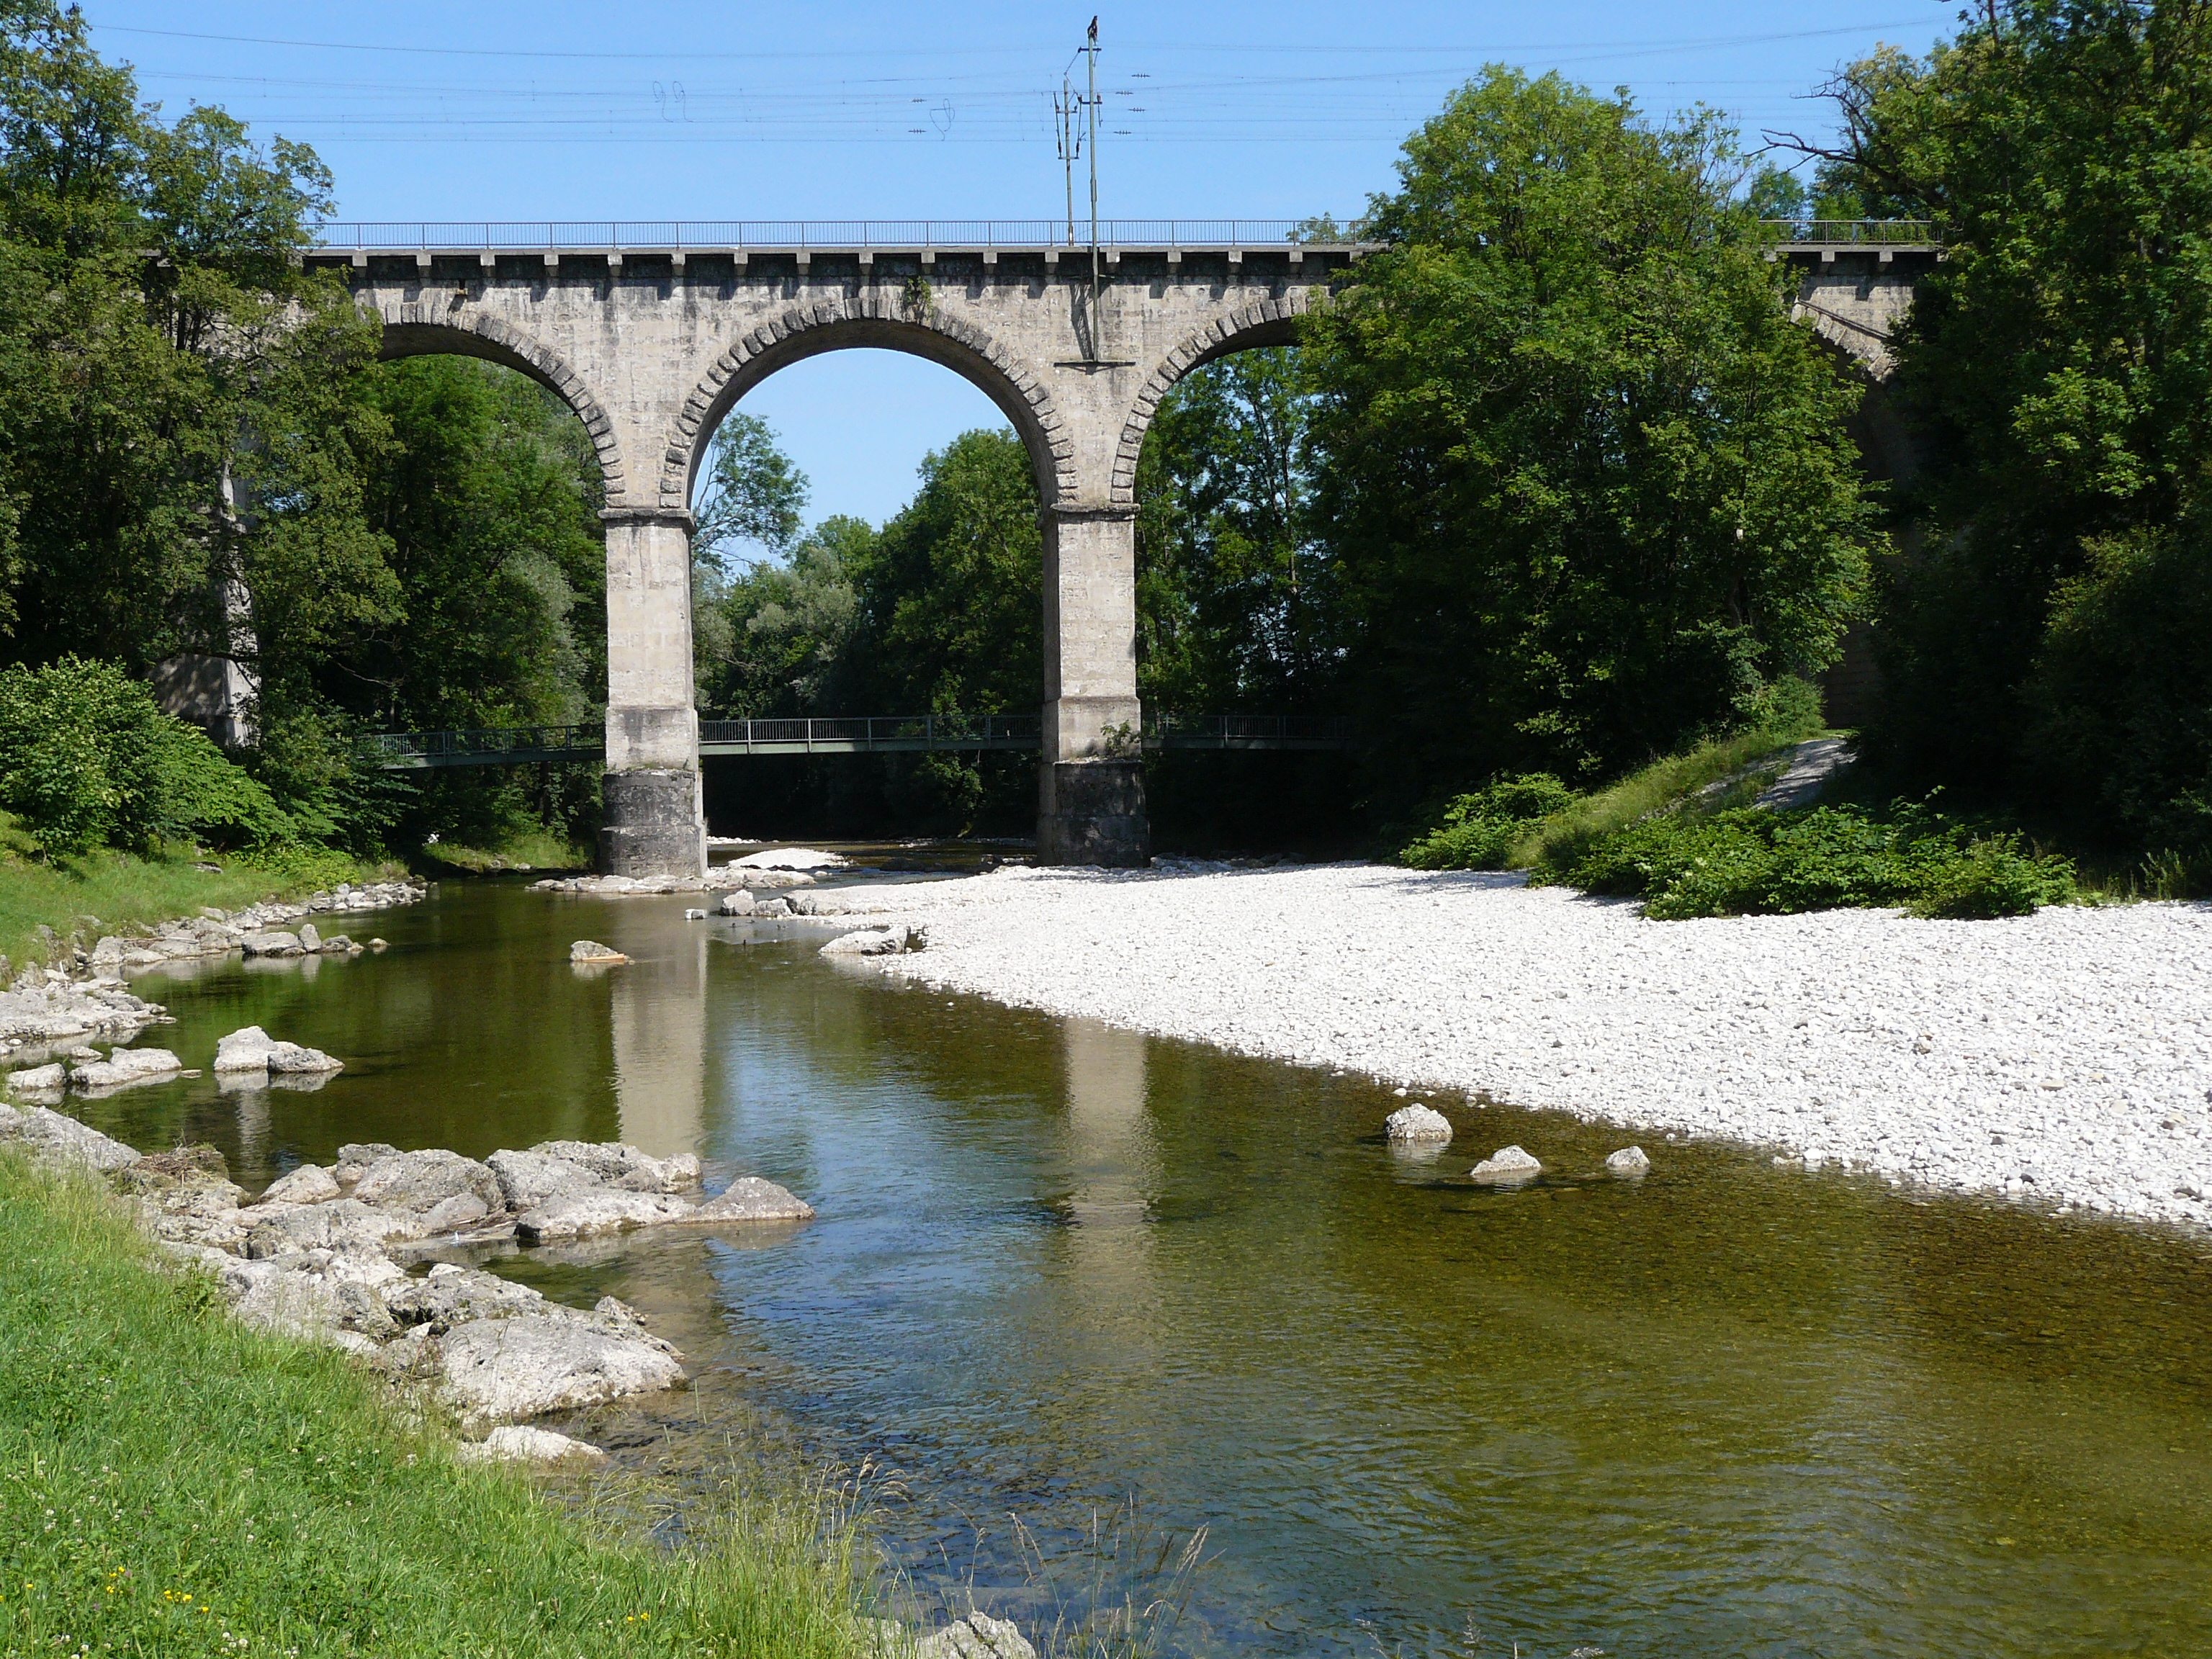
column 907, row 582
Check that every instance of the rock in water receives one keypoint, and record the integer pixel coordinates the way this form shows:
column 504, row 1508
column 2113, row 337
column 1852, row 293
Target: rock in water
column 514, row 1443
column 749, row 1197
column 694, row 915
column 125, row 1066
column 978, row 1635
column 1506, row 1164
column 1418, row 1123
column 590, row 949
column 736, row 905
column 38, row 1077
column 1629, row 1160
column 594, row 1214
column 869, row 942
column 500, row 1370
column 272, row 942
column 291, row 1057
column 244, row 1050
column 310, row 939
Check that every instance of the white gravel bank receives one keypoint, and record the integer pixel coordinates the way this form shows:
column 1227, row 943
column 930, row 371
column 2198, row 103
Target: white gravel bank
column 2065, row 1057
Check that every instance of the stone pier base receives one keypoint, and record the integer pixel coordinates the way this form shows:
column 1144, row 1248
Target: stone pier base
column 655, row 824
column 1093, row 812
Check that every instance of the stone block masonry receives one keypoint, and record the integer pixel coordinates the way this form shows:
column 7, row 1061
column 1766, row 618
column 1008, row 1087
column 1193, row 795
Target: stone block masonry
column 653, row 349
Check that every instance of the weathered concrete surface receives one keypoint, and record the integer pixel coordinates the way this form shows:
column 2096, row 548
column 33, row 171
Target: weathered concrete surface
column 652, row 350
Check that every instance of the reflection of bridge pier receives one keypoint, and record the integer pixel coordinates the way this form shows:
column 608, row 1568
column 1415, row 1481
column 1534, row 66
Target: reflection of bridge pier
column 660, row 1017
column 1113, row 1175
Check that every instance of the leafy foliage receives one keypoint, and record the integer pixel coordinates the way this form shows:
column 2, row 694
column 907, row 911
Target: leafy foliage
column 752, row 493
column 1754, row 862
column 1583, row 487
column 2054, row 365
column 1479, row 830
column 86, row 760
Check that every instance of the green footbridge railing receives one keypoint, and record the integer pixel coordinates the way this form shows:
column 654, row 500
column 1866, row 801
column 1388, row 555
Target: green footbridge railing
column 523, row 745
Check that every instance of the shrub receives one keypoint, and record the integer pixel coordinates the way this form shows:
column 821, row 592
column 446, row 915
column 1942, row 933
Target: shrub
column 1752, row 862
column 86, row 760
column 1479, row 831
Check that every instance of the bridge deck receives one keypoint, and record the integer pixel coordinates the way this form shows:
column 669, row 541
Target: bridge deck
column 865, row 735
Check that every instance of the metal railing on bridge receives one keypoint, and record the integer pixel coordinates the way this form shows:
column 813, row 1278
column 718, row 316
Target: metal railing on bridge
column 828, row 236
column 1852, row 232
column 521, row 745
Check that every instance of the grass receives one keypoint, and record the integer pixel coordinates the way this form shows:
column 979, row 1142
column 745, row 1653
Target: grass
column 1562, row 838
column 126, row 891
column 172, row 1483
column 528, row 849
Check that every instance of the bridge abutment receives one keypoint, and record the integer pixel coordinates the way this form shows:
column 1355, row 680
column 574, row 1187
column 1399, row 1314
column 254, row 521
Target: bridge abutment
column 655, row 821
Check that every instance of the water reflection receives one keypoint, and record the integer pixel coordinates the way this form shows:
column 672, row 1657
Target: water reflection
column 1722, row 1410
column 659, row 1020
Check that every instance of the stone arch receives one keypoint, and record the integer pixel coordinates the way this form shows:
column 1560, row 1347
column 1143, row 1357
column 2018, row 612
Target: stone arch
column 417, row 329
column 1267, row 323
column 875, row 317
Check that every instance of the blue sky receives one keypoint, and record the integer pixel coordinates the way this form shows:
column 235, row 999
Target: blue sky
column 558, row 109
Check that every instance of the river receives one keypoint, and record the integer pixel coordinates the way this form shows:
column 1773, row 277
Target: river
column 1063, row 1271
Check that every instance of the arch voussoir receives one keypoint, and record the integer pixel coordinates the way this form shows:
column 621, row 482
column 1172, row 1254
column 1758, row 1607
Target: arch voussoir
column 1258, row 323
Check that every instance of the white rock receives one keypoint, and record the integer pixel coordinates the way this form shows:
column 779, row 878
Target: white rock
column 514, row 1443
column 598, row 1213
column 126, row 1065
column 1629, row 1160
column 869, row 942
column 739, row 904
column 788, row 858
column 588, row 950
column 272, row 942
column 247, row 1049
column 1418, row 1123
column 310, row 939
column 749, row 1197
column 618, row 1163
column 502, row 1370
column 1506, row 1164
column 291, row 1057
column 38, row 1077
column 310, row 1184
column 66, row 1140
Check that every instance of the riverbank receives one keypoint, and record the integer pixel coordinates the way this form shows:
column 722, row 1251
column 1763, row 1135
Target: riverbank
column 2063, row 1058
column 43, row 904
column 182, row 1483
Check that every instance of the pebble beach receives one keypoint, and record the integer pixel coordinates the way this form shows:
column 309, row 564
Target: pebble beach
column 2062, row 1059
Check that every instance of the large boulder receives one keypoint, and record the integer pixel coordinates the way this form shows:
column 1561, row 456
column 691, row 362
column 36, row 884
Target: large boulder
column 591, row 951
column 452, row 1295
column 65, row 1140
column 441, row 1191
column 739, row 904
column 1418, row 1123
column 272, row 942
column 354, row 1159
column 124, row 1066
column 506, row 1370
column 343, row 1224
column 749, row 1197
column 310, row 1184
column 1507, row 1163
column 527, row 1180
column 38, row 1079
column 976, row 1636
column 1629, row 1160
column 244, row 1050
column 596, row 1213
column 618, row 1163
column 291, row 1057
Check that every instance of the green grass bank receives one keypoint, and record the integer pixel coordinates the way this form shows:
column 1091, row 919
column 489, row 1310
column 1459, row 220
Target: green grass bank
column 127, row 891
column 174, row 1483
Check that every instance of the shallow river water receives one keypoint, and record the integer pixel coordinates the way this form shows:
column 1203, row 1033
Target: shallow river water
column 1723, row 1409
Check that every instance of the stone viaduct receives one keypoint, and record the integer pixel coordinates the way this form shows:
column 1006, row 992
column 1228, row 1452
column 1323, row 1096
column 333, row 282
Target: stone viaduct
column 651, row 333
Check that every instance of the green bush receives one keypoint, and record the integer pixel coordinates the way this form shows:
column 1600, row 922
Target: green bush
column 1479, row 831
column 1753, row 862
column 86, row 760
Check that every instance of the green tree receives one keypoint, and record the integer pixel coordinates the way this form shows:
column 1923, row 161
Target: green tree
column 1584, row 488
column 751, row 493
column 1232, row 598
column 2056, row 368
column 785, row 627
